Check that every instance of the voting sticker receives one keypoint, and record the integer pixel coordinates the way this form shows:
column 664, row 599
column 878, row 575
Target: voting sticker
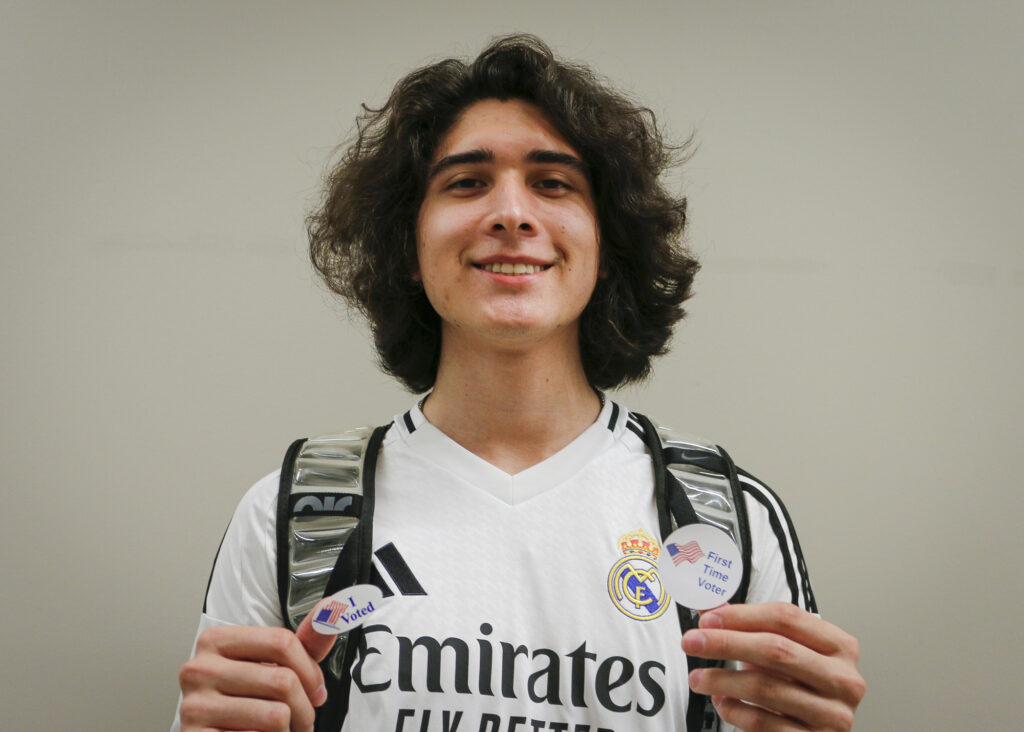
column 700, row 566
column 347, row 609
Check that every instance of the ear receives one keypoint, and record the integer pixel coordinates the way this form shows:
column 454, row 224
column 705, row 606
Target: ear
column 416, row 276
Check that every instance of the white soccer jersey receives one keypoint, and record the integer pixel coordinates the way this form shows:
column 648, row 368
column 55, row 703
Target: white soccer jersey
column 513, row 602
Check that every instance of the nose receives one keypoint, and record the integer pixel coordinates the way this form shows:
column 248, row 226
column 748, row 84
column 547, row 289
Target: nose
column 512, row 209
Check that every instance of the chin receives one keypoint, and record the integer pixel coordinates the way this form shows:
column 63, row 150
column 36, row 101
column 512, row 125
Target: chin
column 529, row 332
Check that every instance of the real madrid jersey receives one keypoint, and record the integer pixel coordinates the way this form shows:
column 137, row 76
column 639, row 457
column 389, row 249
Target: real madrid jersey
column 513, row 602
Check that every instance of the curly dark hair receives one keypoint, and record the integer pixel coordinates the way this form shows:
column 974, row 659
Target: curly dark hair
column 363, row 235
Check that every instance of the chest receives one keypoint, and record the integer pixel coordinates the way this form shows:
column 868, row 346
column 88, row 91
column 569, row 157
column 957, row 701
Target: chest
column 550, row 610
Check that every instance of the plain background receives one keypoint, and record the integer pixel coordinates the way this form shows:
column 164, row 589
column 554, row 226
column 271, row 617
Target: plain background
column 856, row 198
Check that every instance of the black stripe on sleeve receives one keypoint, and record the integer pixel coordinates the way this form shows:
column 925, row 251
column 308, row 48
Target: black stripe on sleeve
column 780, row 536
column 805, row 579
column 782, row 526
column 209, row 582
column 393, row 562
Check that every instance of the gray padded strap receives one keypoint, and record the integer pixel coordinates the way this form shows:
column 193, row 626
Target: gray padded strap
column 324, row 505
column 705, row 477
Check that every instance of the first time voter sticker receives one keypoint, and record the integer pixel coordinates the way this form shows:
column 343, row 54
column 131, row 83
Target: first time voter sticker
column 700, row 566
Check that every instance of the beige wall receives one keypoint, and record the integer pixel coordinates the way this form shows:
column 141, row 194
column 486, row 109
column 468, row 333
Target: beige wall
column 856, row 339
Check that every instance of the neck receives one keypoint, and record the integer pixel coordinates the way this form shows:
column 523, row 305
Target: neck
column 513, row 408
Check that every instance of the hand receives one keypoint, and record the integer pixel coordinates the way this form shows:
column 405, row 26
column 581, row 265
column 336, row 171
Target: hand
column 797, row 672
column 254, row 678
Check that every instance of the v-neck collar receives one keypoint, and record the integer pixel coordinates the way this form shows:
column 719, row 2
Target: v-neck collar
column 431, row 444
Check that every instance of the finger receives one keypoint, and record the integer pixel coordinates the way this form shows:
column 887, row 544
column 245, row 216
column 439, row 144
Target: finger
column 766, row 650
column 774, row 694
column 266, row 645
column 317, row 645
column 785, row 619
column 836, row 678
column 744, row 666
column 211, row 710
column 247, row 680
column 745, row 716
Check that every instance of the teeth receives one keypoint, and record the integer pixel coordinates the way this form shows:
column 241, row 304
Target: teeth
column 508, row 268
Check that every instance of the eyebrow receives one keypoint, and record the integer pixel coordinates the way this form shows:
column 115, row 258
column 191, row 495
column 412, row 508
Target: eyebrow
column 481, row 155
column 558, row 158
column 464, row 158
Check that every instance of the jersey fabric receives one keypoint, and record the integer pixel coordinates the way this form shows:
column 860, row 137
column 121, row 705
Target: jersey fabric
column 512, row 602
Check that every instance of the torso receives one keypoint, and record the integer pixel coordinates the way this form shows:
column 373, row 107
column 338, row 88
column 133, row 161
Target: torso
column 520, row 627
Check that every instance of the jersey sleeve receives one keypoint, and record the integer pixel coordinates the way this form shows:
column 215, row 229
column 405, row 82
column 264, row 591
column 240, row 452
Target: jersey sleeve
column 243, row 584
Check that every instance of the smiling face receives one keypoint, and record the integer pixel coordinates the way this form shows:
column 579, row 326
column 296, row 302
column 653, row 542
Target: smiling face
column 507, row 234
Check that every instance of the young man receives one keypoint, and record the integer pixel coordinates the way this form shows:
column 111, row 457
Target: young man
column 503, row 228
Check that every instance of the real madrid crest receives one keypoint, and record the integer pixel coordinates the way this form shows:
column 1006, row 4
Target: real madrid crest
column 633, row 583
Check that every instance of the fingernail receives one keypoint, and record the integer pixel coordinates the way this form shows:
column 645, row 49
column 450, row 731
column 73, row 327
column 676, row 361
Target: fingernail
column 695, row 678
column 711, row 620
column 320, row 695
column 717, row 700
column 694, row 641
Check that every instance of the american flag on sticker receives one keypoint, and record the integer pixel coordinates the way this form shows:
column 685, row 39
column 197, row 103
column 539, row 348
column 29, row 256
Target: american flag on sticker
column 330, row 612
column 688, row 552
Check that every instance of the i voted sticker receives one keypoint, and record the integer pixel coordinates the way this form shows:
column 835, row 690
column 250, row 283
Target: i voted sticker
column 347, row 609
column 700, row 566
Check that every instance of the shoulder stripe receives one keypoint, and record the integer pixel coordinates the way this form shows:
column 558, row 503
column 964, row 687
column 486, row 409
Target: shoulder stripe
column 782, row 526
column 634, row 426
column 407, row 417
column 614, row 418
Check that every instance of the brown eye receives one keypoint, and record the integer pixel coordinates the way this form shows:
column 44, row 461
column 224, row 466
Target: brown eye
column 466, row 183
column 553, row 184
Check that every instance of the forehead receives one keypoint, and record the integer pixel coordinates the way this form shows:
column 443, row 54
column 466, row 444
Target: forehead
column 502, row 125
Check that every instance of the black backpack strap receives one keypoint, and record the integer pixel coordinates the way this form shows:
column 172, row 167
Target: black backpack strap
column 319, row 506
column 325, row 539
column 695, row 481
column 352, row 568
column 743, row 525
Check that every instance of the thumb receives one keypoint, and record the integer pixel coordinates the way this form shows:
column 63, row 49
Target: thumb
column 317, row 645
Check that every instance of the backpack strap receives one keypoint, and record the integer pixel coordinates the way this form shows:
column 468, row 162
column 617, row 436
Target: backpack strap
column 696, row 481
column 325, row 539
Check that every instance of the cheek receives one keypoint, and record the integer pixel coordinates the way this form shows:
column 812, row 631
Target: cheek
column 440, row 235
